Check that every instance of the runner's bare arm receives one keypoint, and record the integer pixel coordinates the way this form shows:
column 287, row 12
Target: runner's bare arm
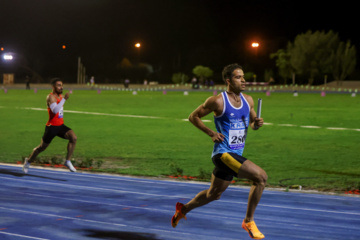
column 50, row 99
column 210, row 105
column 255, row 123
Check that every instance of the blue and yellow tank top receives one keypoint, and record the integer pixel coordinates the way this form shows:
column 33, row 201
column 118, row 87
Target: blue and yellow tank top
column 233, row 124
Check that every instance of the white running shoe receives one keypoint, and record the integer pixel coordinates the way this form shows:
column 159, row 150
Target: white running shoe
column 69, row 165
column 26, row 166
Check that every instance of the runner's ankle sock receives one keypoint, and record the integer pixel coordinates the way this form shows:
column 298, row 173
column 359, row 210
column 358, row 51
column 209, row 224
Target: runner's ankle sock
column 69, row 165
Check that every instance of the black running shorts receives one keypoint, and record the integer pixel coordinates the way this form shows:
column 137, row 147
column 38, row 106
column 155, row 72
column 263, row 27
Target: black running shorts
column 227, row 165
column 53, row 131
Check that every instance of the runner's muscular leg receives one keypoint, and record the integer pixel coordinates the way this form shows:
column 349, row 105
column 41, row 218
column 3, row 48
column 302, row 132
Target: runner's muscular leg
column 70, row 135
column 217, row 187
column 37, row 150
column 259, row 177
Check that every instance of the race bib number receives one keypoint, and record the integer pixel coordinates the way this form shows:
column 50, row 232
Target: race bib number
column 61, row 113
column 237, row 139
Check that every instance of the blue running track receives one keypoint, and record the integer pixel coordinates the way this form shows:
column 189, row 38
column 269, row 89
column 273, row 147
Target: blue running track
column 50, row 204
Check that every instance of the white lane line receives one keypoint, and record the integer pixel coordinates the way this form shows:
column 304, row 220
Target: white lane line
column 202, row 213
column 60, row 216
column 115, row 115
column 96, row 113
column 106, row 114
column 165, row 196
column 99, row 203
column 311, row 209
column 287, row 125
column 23, row 236
column 154, row 117
column 187, row 120
column 92, row 188
column 152, row 209
column 167, row 182
column 115, row 177
column 150, row 181
column 335, row 128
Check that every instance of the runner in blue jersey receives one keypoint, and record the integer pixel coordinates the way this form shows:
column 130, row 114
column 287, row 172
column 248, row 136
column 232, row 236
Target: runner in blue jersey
column 233, row 113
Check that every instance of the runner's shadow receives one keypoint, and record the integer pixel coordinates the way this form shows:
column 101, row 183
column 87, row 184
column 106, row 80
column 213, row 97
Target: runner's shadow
column 16, row 173
column 120, row 235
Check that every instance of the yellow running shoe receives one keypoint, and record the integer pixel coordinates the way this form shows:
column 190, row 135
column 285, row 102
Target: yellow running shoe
column 178, row 214
column 252, row 229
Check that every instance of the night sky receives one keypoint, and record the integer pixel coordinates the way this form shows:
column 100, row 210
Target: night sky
column 175, row 35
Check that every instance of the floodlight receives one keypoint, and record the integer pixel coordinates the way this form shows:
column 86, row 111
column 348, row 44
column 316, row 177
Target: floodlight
column 8, row 56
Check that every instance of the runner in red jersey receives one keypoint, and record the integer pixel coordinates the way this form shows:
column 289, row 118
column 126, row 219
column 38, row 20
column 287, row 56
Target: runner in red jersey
column 55, row 126
column 56, row 119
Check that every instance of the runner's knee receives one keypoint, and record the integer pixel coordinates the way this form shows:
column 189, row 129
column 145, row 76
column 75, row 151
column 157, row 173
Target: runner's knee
column 261, row 178
column 73, row 138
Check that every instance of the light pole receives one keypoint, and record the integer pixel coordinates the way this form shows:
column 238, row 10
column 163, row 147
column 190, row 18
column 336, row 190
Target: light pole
column 15, row 61
column 8, row 56
column 255, row 46
column 138, row 45
column 8, row 78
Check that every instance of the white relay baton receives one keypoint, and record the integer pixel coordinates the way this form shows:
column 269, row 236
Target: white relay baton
column 258, row 114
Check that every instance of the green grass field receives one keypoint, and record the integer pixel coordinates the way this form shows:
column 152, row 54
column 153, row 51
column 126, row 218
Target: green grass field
column 316, row 158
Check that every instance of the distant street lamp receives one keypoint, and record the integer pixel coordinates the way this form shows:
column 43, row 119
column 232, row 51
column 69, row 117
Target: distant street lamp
column 137, row 45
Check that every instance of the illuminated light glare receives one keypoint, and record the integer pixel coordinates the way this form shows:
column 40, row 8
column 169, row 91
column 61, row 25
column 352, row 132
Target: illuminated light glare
column 63, row 46
column 8, row 57
column 137, row 45
column 255, row 44
column 2, row 49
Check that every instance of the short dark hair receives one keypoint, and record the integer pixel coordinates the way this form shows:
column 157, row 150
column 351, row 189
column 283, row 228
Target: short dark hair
column 54, row 80
column 229, row 69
